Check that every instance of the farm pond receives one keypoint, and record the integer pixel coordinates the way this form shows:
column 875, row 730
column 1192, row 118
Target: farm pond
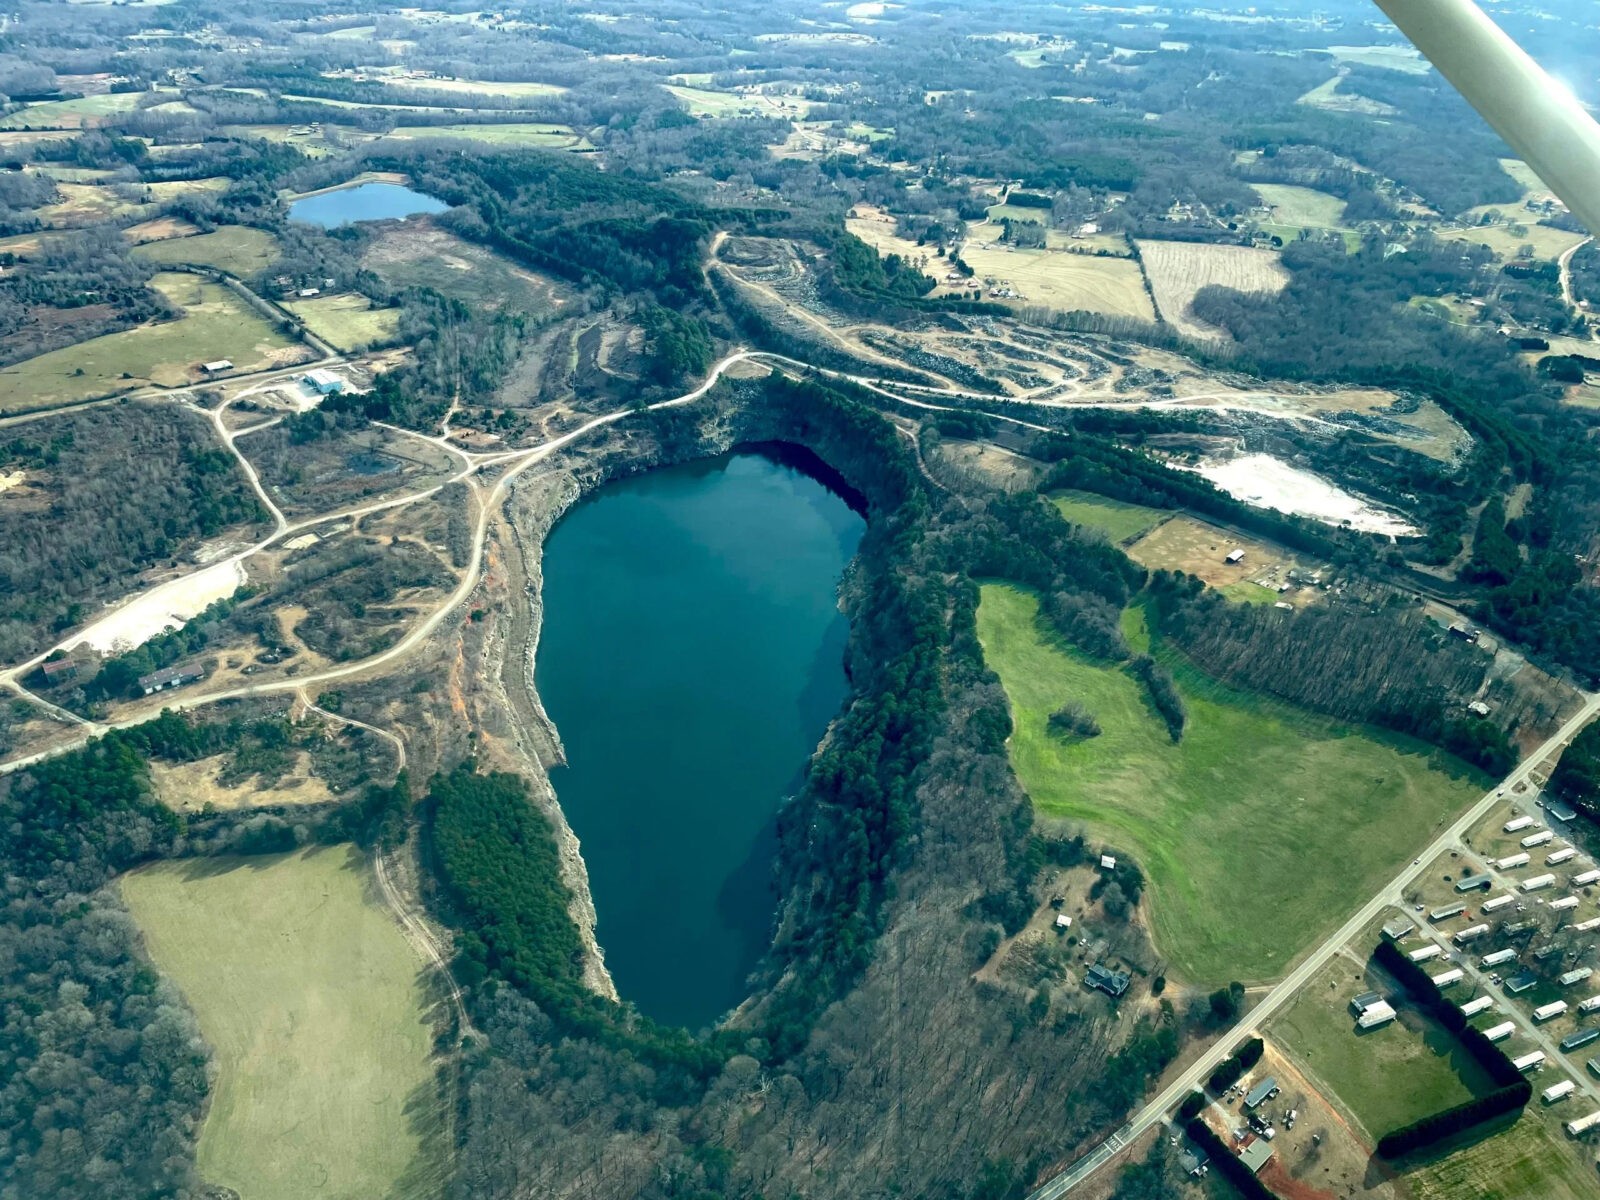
column 364, row 202
column 691, row 657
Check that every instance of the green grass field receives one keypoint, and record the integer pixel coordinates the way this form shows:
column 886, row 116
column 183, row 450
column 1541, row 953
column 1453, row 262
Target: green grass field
column 216, row 324
column 309, row 997
column 1260, row 832
column 237, row 249
column 70, row 114
column 536, row 135
column 1118, row 521
column 1527, row 1160
column 418, row 253
column 348, row 321
column 1301, row 207
column 1361, row 1066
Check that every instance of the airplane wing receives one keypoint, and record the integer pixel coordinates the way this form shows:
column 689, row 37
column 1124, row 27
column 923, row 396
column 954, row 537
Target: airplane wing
column 1537, row 116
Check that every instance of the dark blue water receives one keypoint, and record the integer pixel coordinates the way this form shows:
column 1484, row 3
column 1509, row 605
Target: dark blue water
column 691, row 657
column 364, row 202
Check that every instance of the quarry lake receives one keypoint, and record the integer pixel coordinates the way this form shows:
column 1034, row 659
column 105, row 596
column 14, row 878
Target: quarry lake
column 364, row 202
column 692, row 655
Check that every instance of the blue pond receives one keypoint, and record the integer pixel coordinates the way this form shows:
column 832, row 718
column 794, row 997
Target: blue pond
column 364, row 202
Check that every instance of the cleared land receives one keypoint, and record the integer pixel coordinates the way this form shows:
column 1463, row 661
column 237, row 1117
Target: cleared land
column 420, row 254
column 1517, row 1162
column 1064, row 281
column 347, row 321
column 82, row 113
column 1196, row 548
column 1178, row 270
column 1362, row 1066
column 1507, row 237
column 1301, row 207
column 1330, row 97
column 534, row 134
column 1393, row 58
column 215, row 324
column 309, row 997
column 1118, row 521
column 517, row 89
column 240, row 250
column 702, row 102
column 1244, row 827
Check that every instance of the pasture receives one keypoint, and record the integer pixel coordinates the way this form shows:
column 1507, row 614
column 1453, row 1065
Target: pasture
column 309, row 997
column 240, row 250
column 1300, row 207
column 511, row 89
column 420, row 254
column 701, row 102
column 1331, row 97
column 347, row 321
column 1360, row 1066
column 527, row 134
column 1526, row 1158
column 1514, row 230
column 1063, row 281
column 215, row 324
column 1243, row 828
column 1178, row 270
column 1119, row 521
column 82, row 113
column 1402, row 57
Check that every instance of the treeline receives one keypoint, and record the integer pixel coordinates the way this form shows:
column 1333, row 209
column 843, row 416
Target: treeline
column 89, row 272
column 1161, row 692
column 494, row 855
column 1231, row 1069
column 1576, row 778
column 1243, row 1180
column 1399, row 671
column 1512, row 1090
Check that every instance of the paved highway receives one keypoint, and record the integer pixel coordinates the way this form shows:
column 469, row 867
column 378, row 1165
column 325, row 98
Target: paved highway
column 1290, row 985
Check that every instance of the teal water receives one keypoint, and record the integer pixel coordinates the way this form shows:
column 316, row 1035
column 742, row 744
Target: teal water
column 692, row 655
column 364, row 202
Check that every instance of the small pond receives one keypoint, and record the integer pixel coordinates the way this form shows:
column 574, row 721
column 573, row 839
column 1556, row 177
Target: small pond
column 364, row 202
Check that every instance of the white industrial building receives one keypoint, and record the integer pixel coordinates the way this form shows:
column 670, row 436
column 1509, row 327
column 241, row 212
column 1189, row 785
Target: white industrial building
column 1377, row 1014
column 1546, row 1011
column 1559, row 1091
column 1537, row 882
column 1512, row 862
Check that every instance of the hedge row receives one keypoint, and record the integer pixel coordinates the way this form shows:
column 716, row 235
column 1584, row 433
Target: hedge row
column 1229, row 1069
column 1228, row 1163
column 1512, row 1093
column 1193, row 1105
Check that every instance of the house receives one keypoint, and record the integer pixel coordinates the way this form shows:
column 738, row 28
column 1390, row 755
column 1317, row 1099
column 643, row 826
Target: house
column 1478, row 708
column 1234, row 557
column 1465, row 632
column 1398, row 930
column 1193, row 1159
column 1261, row 1093
column 1112, row 983
column 1063, row 921
column 308, row 293
column 59, row 671
column 169, row 677
column 323, row 382
column 1581, row 1038
column 1108, row 862
column 221, row 364
column 1521, row 982
column 1256, row 1155
column 1447, row 911
column 1471, row 883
